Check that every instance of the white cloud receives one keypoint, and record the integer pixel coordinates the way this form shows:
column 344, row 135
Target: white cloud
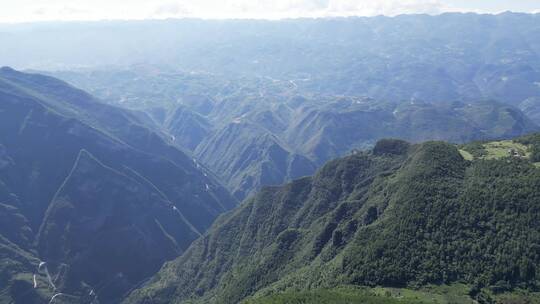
column 173, row 9
column 390, row 7
column 307, row 8
column 32, row 10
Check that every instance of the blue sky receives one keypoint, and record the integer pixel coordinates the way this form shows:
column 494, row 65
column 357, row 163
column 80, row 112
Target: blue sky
column 38, row 10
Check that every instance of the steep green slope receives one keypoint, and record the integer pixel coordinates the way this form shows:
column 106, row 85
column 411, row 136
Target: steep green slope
column 398, row 215
column 249, row 157
column 72, row 170
column 187, row 128
column 17, row 268
column 97, row 216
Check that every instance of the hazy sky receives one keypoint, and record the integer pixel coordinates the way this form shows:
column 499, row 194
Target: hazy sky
column 34, row 10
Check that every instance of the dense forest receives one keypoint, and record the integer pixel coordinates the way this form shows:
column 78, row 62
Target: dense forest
column 399, row 215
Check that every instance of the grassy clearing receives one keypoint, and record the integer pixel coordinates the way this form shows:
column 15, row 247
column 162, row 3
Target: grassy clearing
column 494, row 150
column 334, row 296
column 466, row 155
column 456, row 294
column 444, row 294
column 501, row 149
column 518, row 297
column 431, row 294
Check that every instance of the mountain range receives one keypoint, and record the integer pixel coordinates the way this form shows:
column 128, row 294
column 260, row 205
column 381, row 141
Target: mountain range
column 254, row 133
column 377, row 160
column 84, row 182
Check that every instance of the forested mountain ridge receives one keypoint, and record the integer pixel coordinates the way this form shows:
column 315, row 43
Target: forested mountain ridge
column 398, row 215
column 81, row 184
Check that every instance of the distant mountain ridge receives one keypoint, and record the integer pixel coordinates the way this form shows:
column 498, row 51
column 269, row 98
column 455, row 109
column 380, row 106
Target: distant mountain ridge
column 446, row 57
column 218, row 118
